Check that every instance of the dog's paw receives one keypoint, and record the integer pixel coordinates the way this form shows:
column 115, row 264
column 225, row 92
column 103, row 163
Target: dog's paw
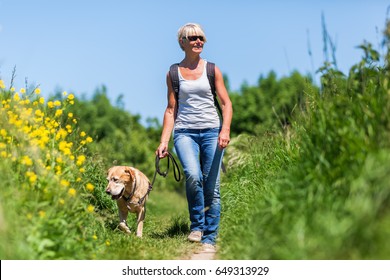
column 123, row 227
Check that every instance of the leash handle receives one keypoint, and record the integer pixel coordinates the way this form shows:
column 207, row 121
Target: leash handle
column 176, row 170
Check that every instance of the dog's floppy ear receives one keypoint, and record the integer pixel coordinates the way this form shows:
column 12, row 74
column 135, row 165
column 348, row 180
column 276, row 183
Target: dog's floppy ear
column 129, row 171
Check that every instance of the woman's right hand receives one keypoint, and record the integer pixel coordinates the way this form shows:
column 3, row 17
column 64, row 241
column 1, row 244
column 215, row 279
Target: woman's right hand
column 162, row 150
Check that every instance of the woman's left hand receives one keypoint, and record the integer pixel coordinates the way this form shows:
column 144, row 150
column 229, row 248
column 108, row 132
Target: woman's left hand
column 223, row 139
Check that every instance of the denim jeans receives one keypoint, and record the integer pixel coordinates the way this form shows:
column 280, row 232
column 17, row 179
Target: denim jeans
column 201, row 158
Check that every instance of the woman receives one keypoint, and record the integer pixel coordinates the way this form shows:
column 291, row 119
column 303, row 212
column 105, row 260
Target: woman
column 200, row 136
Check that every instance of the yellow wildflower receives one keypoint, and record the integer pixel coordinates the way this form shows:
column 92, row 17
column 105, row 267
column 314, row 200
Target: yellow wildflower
column 59, row 160
column 50, row 104
column 72, row 192
column 62, row 133
column 80, row 160
column 70, row 115
column 64, row 147
column 89, row 139
column 83, row 134
column 58, row 112
column 39, row 113
column 61, row 201
column 41, row 100
column 16, row 97
column 71, row 97
column 37, row 91
column 57, row 103
column 22, row 90
column 89, row 187
column 42, row 214
column 90, row 208
column 26, row 160
column 58, row 170
column 94, row 237
column 64, row 183
column 32, row 177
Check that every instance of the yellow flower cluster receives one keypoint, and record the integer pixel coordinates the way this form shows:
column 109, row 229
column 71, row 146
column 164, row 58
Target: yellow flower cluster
column 37, row 136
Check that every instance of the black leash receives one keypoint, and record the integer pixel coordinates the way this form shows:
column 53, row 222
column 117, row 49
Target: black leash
column 176, row 173
column 176, row 170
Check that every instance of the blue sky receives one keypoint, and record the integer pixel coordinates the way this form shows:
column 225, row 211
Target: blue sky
column 128, row 46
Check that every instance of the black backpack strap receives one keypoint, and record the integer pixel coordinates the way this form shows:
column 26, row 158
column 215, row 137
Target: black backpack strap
column 174, row 74
column 210, row 67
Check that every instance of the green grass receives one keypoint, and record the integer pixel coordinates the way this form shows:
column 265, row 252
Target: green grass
column 165, row 232
column 319, row 190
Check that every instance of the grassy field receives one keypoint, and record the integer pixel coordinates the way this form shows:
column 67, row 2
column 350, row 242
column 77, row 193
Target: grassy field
column 320, row 188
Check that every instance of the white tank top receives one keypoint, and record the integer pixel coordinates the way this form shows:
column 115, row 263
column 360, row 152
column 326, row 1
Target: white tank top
column 196, row 104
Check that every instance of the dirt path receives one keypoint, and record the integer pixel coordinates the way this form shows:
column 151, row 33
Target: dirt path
column 203, row 255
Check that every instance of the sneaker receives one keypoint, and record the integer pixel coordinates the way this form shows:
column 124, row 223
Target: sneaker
column 208, row 248
column 195, row 236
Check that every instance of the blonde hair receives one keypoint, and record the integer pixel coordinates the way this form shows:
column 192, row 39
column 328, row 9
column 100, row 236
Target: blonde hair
column 190, row 29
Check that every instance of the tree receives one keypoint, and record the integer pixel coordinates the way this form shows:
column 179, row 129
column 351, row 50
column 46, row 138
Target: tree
column 269, row 105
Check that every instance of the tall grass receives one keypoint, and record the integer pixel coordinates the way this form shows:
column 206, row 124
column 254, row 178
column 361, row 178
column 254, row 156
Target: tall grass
column 44, row 197
column 321, row 190
column 52, row 199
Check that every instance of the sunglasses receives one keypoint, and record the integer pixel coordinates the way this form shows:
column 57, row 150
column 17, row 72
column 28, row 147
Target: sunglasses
column 194, row 38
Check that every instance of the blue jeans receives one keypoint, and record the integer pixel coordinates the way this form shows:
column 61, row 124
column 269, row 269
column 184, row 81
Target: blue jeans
column 201, row 158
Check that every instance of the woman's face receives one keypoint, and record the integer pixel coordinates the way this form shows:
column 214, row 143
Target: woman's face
column 193, row 43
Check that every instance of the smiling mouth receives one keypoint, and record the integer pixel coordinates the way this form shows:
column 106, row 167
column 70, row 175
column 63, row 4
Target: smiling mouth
column 116, row 197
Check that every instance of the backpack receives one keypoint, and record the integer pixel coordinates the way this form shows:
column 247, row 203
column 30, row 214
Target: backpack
column 210, row 67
